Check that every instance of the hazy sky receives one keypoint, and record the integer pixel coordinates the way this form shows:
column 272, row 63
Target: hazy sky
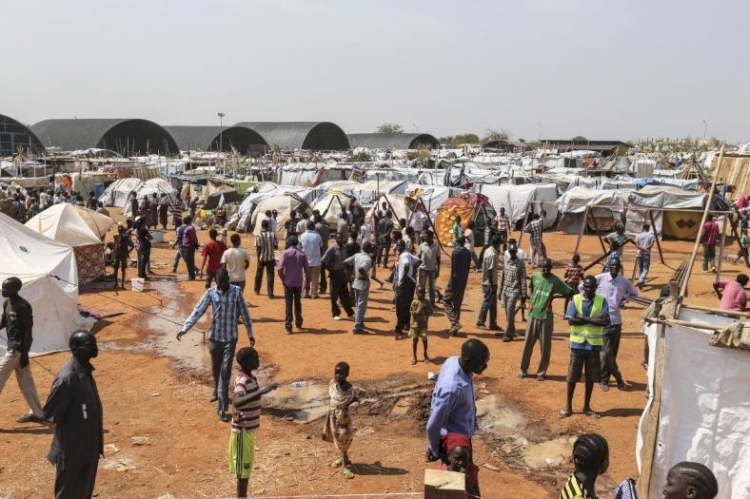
column 620, row 69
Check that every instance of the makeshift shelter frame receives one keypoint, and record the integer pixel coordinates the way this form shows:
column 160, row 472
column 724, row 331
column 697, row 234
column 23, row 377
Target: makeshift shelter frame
column 338, row 198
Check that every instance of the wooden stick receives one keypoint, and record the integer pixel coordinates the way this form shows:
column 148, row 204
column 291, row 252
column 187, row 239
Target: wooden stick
column 656, row 236
column 721, row 250
column 696, row 325
column 683, row 286
column 736, row 313
column 596, row 228
column 583, row 230
column 652, row 426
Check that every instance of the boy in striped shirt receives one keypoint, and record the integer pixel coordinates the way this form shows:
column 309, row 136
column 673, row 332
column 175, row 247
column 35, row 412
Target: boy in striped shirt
column 246, row 418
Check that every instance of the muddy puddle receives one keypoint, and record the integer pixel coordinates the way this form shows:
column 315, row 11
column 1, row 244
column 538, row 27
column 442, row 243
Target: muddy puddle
column 300, row 402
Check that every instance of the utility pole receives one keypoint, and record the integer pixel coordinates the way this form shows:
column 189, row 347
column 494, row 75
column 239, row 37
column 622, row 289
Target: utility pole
column 541, row 131
column 705, row 128
column 221, row 138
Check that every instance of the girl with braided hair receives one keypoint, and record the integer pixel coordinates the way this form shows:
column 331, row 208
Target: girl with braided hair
column 688, row 480
column 591, row 459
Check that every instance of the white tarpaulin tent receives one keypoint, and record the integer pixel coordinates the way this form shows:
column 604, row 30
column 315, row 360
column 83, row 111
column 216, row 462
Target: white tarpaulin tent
column 284, row 204
column 517, row 198
column 703, row 414
column 606, row 207
column 329, row 205
column 432, row 196
column 117, row 193
column 365, row 192
column 37, row 260
column 676, row 222
column 153, row 186
column 241, row 219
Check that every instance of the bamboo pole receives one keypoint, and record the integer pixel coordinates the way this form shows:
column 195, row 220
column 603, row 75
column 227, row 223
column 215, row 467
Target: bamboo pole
column 583, row 229
column 652, row 428
column 596, row 228
column 720, row 256
column 701, row 308
column 683, row 285
column 656, row 236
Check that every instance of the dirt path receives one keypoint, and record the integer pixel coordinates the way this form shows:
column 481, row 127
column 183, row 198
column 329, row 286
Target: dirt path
column 146, row 393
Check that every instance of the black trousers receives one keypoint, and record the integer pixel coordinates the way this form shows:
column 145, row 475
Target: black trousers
column 404, row 296
column 384, row 247
column 293, row 297
column 270, row 267
column 340, row 291
column 323, row 283
column 76, row 483
column 190, row 261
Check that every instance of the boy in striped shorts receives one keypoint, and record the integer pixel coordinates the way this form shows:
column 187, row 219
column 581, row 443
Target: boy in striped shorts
column 246, row 420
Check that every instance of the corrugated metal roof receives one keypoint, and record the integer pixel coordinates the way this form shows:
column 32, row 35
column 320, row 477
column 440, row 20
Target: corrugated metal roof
column 211, row 138
column 125, row 136
column 14, row 134
column 392, row 140
column 314, row 136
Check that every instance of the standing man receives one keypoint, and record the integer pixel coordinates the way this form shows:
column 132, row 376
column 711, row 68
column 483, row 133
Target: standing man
column 429, row 253
column 342, row 226
column 333, row 259
column 644, row 242
column 75, row 409
column 502, row 227
column 616, row 289
column 453, row 298
column 404, row 285
column 321, row 227
column 227, row 303
column 361, row 265
column 544, row 286
column 489, row 285
column 293, row 268
column 417, row 223
column 163, row 210
column 273, row 222
column 212, row 252
column 134, row 208
column 453, row 408
column 266, row 244
column 236, row 260
column 312, row 244
column 18, row 321
column 512, row 289
column 177, row 211
column 179, row 246
column 588, row 315
column 120, row 252
column 709, row 235
column 617, row 240
column 383, row 233
column 535, row 230
column 190, row 244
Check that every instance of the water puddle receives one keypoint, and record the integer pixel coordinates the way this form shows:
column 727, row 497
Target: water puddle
column 499, row 417
column 300, row 402
column 549, row 454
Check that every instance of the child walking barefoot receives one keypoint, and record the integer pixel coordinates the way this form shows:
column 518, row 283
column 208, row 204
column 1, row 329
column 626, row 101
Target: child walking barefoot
column 421, row 310
column 337, row 428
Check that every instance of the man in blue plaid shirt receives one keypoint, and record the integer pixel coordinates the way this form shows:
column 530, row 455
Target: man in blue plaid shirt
column 227, row 303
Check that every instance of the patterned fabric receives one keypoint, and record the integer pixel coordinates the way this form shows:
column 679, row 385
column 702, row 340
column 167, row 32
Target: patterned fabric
column 247, row 415
column 266, row 243
column 90, row 262
column 573, row 275
column 337, row 428
column 573, row 489
column 226, row 306
column 513, row 283
column 502, row 223
column 626, row 490
column 534, row 228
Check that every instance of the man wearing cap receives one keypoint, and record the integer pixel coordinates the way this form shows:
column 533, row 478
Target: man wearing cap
column 512, row 289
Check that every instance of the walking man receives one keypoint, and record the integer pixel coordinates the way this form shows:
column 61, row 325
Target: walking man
column 75, row 409
column 588, row 315
column 535, row 230
column 512, row 289
column 617, row 240
column 709, row 235
column 293, row 269
column 236, row 260
column 190, row 243
column 489, row 285
column 461, row 260
column 266, row 244
column 227, row 303
column 644, row 242
column 333, row 259
column 18, row 321
column 322, row 228
column 361, row 265
column 383, row 233
column 312, row 244
column 404, row 285
column 502, row 227
column 453, row 409
column 179, row 246
column 177, row 211
column 212, row 253
column 429, row 253
column 616, row 289
column 544, row 286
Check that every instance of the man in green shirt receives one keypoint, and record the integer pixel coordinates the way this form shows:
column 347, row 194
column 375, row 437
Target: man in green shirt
column 544, row 286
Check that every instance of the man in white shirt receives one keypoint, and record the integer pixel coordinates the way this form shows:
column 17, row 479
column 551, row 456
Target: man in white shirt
column 644, row 242
column 404, row 284
column 236, row 260
column 429, row 253
column 312, row 244
column 417, row 223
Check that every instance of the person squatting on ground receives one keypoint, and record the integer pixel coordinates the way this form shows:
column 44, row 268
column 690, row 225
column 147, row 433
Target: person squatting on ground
column 591, row 460
column 459, row 460
column 420, row 310
column 461, row 260
column 333, row 260
column 228, row 304
column 403, row 287
column 245, row 418
column 544, row 286
column 337, row 428
column 453, row 409
column 588, row 315
column 512, row 290
column 75, row 409
column 293, row 269
column 18, row 321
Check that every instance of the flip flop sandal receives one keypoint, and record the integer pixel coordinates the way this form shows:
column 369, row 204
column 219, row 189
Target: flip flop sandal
column 347, row 473
column 427, row 360
column 414, row 362
column 592, row 414
column 564, row 414
column 336, row 463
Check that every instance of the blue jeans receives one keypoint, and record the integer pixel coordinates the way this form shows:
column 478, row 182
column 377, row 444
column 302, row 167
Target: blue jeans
column 709, row 256
column 360, row 302
column 180, row 253
column 489, row 304
column 222, row 354
column 644, row 263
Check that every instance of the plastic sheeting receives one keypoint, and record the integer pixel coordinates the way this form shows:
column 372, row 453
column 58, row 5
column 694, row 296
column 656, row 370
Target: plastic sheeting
column 704, row 414
column 329, row 206
column 117, row 193
column 517, row 198
column 284, row 204
column 153, row 186
column 673, row 223
column 607, row 207
column 241, row 220
column 71, row 224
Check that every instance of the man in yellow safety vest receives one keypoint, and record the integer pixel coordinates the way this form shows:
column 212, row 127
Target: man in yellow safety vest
column 588, row 315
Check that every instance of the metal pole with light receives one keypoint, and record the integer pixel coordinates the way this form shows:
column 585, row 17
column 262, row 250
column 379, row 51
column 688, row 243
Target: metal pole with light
column 541, row 130
column 221, row 139
column 705, row 128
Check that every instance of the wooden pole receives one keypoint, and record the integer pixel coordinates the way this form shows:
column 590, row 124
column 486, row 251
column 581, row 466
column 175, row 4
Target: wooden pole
column 652, row 428
column 736, row 313
column 683, row 285
column 583, row 229
column 720, row 256
column 596, row 228
column 656, row 236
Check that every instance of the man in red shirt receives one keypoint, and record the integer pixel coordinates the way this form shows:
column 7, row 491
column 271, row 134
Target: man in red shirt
column 212, row 251
column 732, row 293
column 709, row 236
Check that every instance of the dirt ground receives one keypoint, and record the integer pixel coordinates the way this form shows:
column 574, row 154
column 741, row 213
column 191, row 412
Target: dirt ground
column 158, row 391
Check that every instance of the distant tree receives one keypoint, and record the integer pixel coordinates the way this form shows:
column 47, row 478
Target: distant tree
column 466, row 138
column 447, row 140
column 360, row 157
column 390, row 128
column 580, row 138
column 502, row 135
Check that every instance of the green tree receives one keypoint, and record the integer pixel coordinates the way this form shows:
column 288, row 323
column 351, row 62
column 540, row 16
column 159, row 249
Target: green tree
column 466, row 138
column 390, row 128
column 580, row 138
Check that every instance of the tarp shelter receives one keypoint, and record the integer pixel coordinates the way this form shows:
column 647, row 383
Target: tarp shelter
column 284, row 204
column 470, row 207
column 330, row 206
column 606, row 207
column 432, row 196
column 366, row 192
column 669, row 207
column 221, row 198
column 81, row 228
column 516, row 200
column 242, row 219
column 37, row 260
column 700, row 408
column 400, row 205
column 153, row 186
column 118, row 192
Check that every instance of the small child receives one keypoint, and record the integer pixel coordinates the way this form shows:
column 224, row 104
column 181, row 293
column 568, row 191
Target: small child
column 337, row 428
column 591, row 459
column 246, row 418
column 421, row 310
column 688, row 480
column 458, row 459
column 744, row 245
column 612, row 255
column 573, row 276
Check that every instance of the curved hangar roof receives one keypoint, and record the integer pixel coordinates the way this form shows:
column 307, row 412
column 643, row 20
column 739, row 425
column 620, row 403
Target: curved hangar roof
column 124, row 136
column 14, row 134
column 313, row 136
column 213, row 138
column 393, row 140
